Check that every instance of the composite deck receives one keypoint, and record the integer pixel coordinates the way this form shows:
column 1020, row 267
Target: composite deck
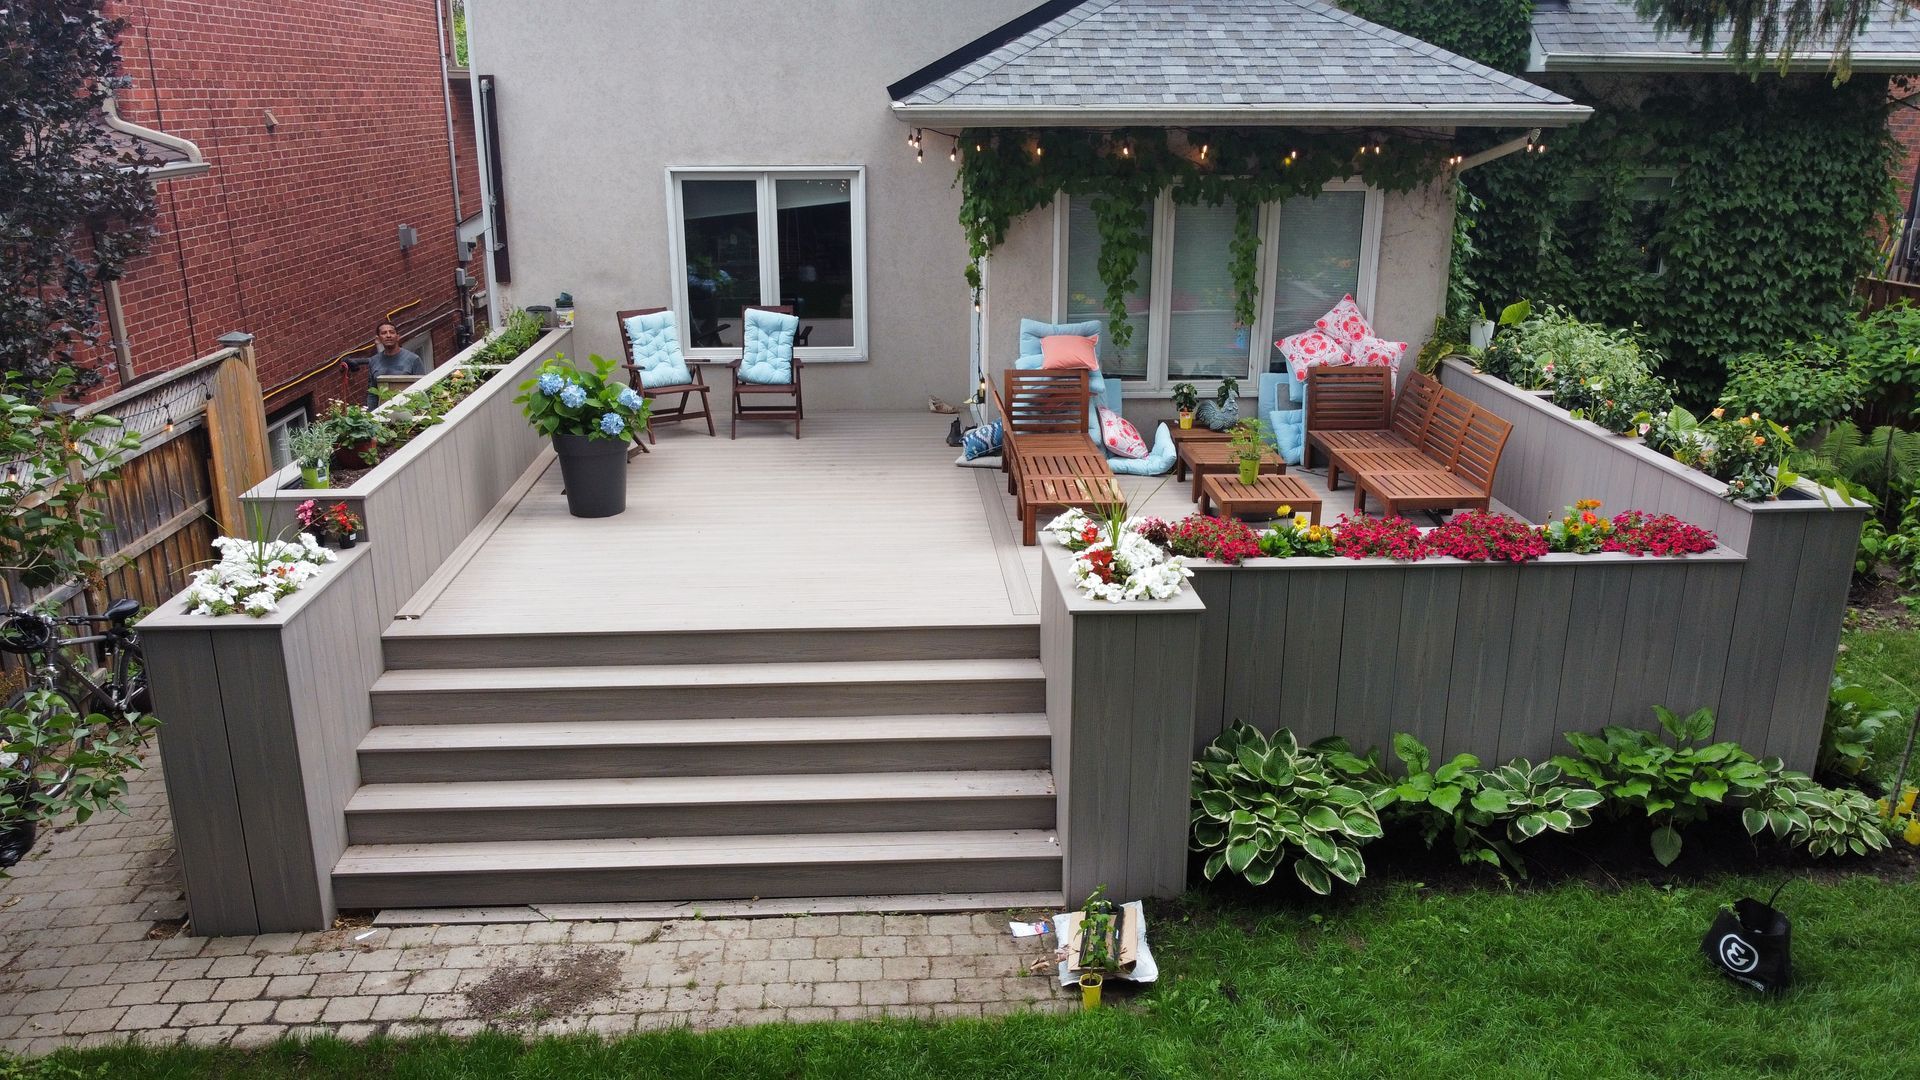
column 865, row 522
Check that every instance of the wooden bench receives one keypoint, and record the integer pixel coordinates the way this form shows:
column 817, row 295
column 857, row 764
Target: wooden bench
column 1355, row 408
column 1260, row 500
column 1451, row 472
column 1043, row 418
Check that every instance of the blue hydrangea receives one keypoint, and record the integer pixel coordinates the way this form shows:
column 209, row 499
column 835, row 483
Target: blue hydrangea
column 612, row 424
column 573, row 396
column 629, row 399
column 550, row 383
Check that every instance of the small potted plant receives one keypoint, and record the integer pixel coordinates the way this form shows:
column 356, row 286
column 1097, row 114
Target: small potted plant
column 336, row 522
column 1220, row 413
column 312, row 447
column 590, row 416
column 357, row 433
column 1185, row 399
column 1099, row 946
column 1249, row 439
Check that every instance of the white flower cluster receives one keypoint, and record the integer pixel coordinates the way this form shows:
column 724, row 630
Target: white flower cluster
column 253, row 575
column 1138, row 570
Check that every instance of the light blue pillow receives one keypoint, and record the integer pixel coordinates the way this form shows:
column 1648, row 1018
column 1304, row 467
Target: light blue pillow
column 656, row 350
column 1158, row 462
column 1032, row 330
column 1289, row 433
column 768, row 355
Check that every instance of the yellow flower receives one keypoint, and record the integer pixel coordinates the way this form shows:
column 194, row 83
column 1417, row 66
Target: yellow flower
column 1906, row 800
column 1745, row 422
column 1284, row 510
column 1718, row 413
column 1912, row 835
column 1302, row 520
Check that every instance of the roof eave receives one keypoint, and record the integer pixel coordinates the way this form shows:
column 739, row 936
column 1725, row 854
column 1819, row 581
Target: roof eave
column 1304, row 115
column 1548, row 62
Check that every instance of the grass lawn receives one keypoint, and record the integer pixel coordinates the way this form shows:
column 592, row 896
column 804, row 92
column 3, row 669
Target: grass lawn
column 1396, row 980
column 1886, row 662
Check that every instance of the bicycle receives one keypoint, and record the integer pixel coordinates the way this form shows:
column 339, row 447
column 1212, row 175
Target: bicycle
column 51, row 669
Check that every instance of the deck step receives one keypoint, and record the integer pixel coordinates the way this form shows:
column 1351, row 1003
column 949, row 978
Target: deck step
column 409, row 646
column 704, row 691
column 698, row 806
column 560, row 750
column 692, row 868
column 709, row 908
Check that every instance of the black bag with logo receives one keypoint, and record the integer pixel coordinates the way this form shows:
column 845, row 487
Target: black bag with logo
column 1752, row 944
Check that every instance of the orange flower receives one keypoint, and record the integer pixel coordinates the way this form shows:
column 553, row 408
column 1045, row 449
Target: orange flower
column 1759, row 440
column 1589, row 518
column 1718, row 413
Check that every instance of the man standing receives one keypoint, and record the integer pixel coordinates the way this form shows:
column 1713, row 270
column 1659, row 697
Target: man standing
column 388, row 359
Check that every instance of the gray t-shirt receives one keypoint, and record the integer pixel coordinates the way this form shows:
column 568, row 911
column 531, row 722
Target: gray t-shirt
column 401, row 362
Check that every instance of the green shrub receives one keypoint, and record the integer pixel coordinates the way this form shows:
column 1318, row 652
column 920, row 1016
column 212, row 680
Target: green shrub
column 1855, row 718
column 1673, row 786
column 1260, row 804
column 1802, row 387
column 1825, row 821
column 1884, row 348
column 1486, row 812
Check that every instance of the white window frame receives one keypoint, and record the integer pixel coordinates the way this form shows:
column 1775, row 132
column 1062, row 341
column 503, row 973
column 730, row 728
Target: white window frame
column 1160, row 288
column 766, row 216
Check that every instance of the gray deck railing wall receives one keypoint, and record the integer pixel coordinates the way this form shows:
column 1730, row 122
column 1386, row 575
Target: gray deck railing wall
column 262, row 718
column 1494, row 660
column 419, row 504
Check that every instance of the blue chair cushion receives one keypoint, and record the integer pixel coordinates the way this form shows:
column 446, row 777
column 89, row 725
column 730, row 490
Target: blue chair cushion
column 1032, row 330
column 981, row 441
column 1158, row 462
column 1283, row 402
column 655, row 341
column 767, row 357
column 1289, row 429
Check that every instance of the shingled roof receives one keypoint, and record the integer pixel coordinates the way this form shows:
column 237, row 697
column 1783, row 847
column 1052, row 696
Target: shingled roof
column 1104, row 62
column 1608, row 35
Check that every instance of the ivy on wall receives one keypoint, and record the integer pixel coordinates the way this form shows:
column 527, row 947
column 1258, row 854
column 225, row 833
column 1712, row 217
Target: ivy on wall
column 1495, row 32
column 1722, row 214
column 1005, row 173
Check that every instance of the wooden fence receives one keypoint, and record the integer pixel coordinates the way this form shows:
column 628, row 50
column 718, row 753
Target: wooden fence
column 1880, row 292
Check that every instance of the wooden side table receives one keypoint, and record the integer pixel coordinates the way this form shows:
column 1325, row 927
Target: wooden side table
column 1203, row 458
column 1260, row 500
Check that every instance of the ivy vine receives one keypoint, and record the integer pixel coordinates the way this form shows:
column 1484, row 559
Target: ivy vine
column 1497, row 33
column 1006, row 173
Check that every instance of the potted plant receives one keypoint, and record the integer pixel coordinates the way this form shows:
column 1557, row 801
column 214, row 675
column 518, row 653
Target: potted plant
column 1249, row 439
column 336, row 522
column 1185, row 399
column 357, row 434
column 312, row 447
column 590, row 417
column 1099, row 946
column 1220, row 413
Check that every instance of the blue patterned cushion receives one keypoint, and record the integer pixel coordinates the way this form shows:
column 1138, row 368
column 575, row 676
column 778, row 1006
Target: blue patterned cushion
column 656, row 350
column 768, row 355
column 1158, row 461
column 981, row 441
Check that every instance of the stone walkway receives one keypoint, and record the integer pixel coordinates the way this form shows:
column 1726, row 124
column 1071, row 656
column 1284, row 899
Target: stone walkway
column 90, row 954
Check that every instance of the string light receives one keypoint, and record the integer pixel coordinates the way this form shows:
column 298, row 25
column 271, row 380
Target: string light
column 1204, row 147
column 913, row 136
column 919, row 155
column 169, row 427
column 1126, row 148
column 954, row 154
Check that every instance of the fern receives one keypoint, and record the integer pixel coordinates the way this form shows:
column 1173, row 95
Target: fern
column 1883, row 467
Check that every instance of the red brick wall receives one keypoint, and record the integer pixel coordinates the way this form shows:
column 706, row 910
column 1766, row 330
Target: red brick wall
column 291, row 236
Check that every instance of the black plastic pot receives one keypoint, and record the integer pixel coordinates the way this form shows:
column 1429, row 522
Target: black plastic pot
column 16, row 841
column 595, row 474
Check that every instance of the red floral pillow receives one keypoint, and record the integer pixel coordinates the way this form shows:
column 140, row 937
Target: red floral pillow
column 1120, row 436
column 1377, row 352
column 1310, row 348
column 1345, row 324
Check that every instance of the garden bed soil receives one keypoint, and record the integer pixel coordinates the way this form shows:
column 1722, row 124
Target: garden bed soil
column 1880, row 602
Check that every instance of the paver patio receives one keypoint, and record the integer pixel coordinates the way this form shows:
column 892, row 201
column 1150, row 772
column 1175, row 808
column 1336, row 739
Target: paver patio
column 80, row 965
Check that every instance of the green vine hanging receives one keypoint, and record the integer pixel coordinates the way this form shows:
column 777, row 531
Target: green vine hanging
column 1006, row 173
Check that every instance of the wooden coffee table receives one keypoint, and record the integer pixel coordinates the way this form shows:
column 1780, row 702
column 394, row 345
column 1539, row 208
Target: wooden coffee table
column 1094, row 494
column 1192, row 436
column 1202, row 458
column 1260, row 500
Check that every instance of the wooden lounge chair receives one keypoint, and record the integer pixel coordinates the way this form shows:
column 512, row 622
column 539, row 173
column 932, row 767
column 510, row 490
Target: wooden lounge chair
column 1465, row 482
column 696, row 386
column 748, row 395
column 1404, row 425
column 1043, row 417
column 1417, row 445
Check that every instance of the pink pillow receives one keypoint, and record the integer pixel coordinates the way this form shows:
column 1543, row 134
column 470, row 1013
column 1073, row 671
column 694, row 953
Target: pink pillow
column 1070, row 351
column 1345, row 324
column 1120, row 435
column 1309, row 348
column 1376, row 352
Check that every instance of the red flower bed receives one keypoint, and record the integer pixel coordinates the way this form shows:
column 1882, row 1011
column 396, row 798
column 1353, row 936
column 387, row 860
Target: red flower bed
column 1223, row 540
column 1637, row 533
column 1377, row 538
column 1478, row 536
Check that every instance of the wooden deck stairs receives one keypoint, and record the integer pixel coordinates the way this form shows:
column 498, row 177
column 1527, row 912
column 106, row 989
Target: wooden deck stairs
column 713, row 765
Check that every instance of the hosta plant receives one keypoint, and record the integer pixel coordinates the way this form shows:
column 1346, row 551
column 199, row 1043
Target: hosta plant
column 1486, row 812
column 1259, row 804
column 1825, row 821
column 1674, row 786
column 1855, row 718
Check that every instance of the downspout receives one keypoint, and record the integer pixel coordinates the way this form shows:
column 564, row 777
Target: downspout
column 446, row 99
column 1494, row 153
column 117, row 326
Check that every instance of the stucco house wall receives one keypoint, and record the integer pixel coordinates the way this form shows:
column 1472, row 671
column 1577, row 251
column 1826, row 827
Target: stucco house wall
column 596, row 103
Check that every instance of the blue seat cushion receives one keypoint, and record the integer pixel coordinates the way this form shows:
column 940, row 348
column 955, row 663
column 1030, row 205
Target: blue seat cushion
column 981, row 441
column 1283, row 402
column 655, row 341
column 1158, row 462
column 767, row 356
